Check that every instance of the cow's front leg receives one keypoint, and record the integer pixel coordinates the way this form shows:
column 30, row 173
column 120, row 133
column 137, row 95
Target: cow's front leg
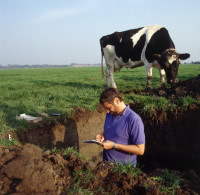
column 149, row 77
column 148, row 87
column 162, row 78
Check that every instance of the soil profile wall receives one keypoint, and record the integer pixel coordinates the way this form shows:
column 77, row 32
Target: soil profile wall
column 172, row 139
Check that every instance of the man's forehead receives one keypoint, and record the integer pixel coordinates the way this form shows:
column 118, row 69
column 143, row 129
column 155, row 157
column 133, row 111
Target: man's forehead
column 107, row 104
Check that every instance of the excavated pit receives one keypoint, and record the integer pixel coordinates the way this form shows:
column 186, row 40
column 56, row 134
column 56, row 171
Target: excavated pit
column 68, row 132
column 172, row 138
column 172, row 141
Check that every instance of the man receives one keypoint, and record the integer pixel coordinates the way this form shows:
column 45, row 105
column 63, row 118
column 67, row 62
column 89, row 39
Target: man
column 123, row 137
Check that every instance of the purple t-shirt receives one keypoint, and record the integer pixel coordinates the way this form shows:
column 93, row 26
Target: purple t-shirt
column 127, row 129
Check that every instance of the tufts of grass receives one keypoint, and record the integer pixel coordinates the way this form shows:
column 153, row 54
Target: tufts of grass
column 7, row 142
column 147, row 104
column 126, row 168
column 169, row 182
column 68, row 151
column 76, row 189
column 71, row 150
column 83, row 177
column 186, row 101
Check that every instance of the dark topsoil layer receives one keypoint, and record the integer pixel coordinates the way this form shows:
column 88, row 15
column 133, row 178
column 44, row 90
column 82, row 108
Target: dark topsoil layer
column 28, row 170
column 190, row 87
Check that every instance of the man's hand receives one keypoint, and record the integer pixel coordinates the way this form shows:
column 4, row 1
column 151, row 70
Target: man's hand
column 100, row 138
column 108, row 145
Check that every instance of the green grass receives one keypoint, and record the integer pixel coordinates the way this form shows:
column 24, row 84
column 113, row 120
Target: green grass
column 7, row 142
column 81, row 178
column 169, row 182
column 33, row 91
column 126, row 168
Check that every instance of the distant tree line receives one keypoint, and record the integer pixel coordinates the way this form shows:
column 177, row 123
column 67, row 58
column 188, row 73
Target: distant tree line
column 192, row 62
column 195, row 62
column 16, row 66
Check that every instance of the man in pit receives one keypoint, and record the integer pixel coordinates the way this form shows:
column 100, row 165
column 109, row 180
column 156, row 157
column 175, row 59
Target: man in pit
column 123, row 137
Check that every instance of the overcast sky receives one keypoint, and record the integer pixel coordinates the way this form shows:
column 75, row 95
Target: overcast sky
column 64, row 31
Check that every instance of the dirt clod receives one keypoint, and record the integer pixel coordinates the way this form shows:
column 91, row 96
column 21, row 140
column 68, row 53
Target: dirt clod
column 27, row 169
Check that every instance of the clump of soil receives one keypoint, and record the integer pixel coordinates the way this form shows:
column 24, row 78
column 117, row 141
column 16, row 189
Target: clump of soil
column 26, row 169
column 29, row 170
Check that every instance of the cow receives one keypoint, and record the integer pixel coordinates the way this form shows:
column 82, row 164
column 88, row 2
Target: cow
column 149, row 46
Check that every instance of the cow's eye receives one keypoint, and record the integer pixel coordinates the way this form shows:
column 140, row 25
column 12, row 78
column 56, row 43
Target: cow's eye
column 172, row 58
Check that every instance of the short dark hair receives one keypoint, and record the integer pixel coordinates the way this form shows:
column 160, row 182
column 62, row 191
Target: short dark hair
column 109, row 94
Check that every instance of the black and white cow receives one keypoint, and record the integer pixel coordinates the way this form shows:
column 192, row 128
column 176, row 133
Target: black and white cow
column 150, row 46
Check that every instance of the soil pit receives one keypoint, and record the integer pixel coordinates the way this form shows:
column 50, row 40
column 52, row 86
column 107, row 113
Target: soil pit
column 172, row 141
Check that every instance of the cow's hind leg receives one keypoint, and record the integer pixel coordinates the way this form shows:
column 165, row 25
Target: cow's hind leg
column 107, row 77
column 113, row 84
column 110, row 78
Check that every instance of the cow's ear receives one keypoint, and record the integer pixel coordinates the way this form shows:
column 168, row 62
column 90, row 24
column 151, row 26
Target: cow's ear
column 157, row 57
column 184, row 56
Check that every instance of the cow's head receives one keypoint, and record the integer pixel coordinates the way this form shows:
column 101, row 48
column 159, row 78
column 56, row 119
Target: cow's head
column 169, row 61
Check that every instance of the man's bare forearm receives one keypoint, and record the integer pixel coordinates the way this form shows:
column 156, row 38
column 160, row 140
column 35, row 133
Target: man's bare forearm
column 133, row 149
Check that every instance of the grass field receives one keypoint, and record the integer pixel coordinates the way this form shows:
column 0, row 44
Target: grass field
column 33, row 91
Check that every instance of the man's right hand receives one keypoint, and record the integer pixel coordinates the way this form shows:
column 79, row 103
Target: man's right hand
column 100, row 138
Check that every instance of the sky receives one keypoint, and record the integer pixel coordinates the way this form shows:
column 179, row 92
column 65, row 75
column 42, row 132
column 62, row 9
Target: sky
column 61, row 32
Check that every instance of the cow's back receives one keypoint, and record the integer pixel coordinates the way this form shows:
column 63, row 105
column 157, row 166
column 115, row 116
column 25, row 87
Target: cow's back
column 138, row 44
column 123, row 44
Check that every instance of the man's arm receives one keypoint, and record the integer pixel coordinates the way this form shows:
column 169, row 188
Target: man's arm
column 133, row 149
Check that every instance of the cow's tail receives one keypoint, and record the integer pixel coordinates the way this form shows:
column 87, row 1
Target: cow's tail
column 102, row 70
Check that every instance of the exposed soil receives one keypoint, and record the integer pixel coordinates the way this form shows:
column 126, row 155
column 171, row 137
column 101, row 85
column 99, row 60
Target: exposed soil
column 28, row 170
column 172, row 142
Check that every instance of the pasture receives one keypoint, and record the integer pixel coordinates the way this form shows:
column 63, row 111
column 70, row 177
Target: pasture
column 60, row 90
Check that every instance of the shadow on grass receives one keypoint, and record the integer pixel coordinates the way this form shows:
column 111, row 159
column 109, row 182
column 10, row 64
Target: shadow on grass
column 78, row 85
column 141, row 79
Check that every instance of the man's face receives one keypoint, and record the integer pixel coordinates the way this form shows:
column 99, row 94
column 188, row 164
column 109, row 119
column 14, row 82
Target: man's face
column 112, row 108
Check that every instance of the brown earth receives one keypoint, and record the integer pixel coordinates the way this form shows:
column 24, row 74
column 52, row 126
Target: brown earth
column 28, row 170
column 172, row 141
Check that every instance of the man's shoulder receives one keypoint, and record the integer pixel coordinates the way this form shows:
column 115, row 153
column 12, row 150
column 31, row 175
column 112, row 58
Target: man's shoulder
column 130, row 114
